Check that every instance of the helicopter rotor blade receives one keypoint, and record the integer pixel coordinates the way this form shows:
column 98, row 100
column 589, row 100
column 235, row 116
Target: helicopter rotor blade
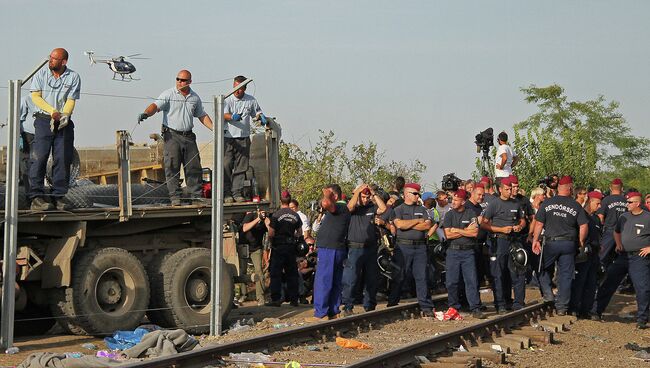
column 133, row 55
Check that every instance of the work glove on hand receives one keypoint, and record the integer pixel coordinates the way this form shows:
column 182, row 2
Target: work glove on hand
column 141, row 117
column 52, row 125
column 263, row 120
column 63, row 122
column 235, row 117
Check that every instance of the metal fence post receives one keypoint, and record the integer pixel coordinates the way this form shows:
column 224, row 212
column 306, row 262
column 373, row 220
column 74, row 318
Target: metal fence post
column 217, row 219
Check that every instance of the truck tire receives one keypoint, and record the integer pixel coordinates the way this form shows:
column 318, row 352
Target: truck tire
column 186, row 290
column 109, row 291
column 156, row 281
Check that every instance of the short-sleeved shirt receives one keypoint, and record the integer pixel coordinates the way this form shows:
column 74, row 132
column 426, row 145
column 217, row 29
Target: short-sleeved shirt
column 56, row 91
column 478, row 210
column 306, row 226
column 442, row 211
column 507, row 168
column 255, row 236
column 612, row 207
column 527, row 210
column 26, row 109
column 460, row 220
column 595, row 230
column 285, row 222
column 333, row 229
column 634, row 230
column 561, row 216
column 362, row 225
column 410, row 212
column 179, row 111
column 503, row 212
column 248, row 108
column 487, row 199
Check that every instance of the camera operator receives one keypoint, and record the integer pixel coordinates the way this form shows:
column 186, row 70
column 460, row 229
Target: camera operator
column 505, row 158
column 284, row 226
column 362, row 249
column 255, row 225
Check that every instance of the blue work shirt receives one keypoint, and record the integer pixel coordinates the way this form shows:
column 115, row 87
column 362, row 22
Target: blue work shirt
column 56, row 91
column 26, row 109
column 178, row 110
column 248, row 108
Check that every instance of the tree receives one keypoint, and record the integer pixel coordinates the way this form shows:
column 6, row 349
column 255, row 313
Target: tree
column 583, row 139
column 305, row 172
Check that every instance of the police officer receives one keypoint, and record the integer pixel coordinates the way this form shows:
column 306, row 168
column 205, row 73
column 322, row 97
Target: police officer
column 461, row 229
column 565, row 224
column 180, row 105
column 632, row 236
column 332, row 231
column 583, row 289
column 502, row 218
column 54, row 92
column 284, row 230
column 611, row 208
column 529, row 213
column 364, row 205
column 412, row 222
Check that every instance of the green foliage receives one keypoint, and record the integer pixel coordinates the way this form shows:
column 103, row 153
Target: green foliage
column 306, row 172
column 590, row 141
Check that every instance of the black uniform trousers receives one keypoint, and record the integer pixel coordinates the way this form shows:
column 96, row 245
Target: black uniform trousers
column 180, row 148
column 412, row 260
column 235, row 164
column 585, row 283
column 283, row 263
column 61, row 144
column 504, row 276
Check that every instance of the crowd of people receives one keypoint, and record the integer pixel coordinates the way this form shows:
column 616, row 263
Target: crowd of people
column 575, row 245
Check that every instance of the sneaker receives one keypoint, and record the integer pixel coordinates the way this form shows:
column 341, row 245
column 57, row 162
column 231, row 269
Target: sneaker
column 347, row 312
column 641, row 325
column 293, row 303
column 427, row 314
column 316, row 319
column 228, row 199
column 240, row 199
column 478, row 314
column 276, row 303
column 40, row 204
column 335, row 316
column 176, row 202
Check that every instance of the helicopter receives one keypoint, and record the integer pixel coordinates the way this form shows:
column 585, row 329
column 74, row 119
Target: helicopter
column 118, row 65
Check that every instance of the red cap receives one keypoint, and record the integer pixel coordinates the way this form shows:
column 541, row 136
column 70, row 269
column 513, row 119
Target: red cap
column 485, row 179
column 461, row 193
column 415, row 186
column 366, row 191
column 479, row 185
column 285, row 194
column 513, row 179
column 506, row 182
column 566, row 180
column 617, row 181
column 632, row 195
column 595, row 194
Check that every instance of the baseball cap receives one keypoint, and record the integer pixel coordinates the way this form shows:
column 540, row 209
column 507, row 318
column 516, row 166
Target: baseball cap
column 617, row 181
column 565, row 180
column 595, row 194
column 414, row 186
column 428, row 195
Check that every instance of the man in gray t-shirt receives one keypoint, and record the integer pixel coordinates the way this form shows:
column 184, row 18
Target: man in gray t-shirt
column 238, row 111
column 180, row 105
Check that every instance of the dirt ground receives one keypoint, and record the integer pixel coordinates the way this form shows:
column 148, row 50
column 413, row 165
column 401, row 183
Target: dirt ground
column 588, row 343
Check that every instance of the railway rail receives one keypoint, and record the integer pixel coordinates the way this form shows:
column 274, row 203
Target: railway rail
column 517, row 329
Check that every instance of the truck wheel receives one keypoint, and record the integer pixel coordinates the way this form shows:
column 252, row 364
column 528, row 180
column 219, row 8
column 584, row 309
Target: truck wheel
column 156, row 281
column 186, row 285
column 109, row 291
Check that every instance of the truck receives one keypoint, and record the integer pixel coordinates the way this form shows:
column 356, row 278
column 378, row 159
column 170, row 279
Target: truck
column 124, row 253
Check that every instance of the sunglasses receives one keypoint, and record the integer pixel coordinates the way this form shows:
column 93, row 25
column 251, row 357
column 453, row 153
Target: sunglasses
column 414, row 193
column 629, row 202
column 182, row 80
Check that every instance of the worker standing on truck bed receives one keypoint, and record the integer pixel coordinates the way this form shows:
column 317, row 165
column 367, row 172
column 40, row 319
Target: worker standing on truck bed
column 54, row 92
column 180, row 105
column 237, row 112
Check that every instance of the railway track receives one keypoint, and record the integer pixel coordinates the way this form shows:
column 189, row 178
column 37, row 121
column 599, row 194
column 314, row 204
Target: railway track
column 515, row 330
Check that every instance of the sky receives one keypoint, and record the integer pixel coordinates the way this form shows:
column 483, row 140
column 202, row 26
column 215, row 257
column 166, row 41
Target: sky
column 419, row 78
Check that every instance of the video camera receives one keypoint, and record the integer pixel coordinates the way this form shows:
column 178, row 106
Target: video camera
column 450, row 182
column 484, row 140
column 549, row 181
